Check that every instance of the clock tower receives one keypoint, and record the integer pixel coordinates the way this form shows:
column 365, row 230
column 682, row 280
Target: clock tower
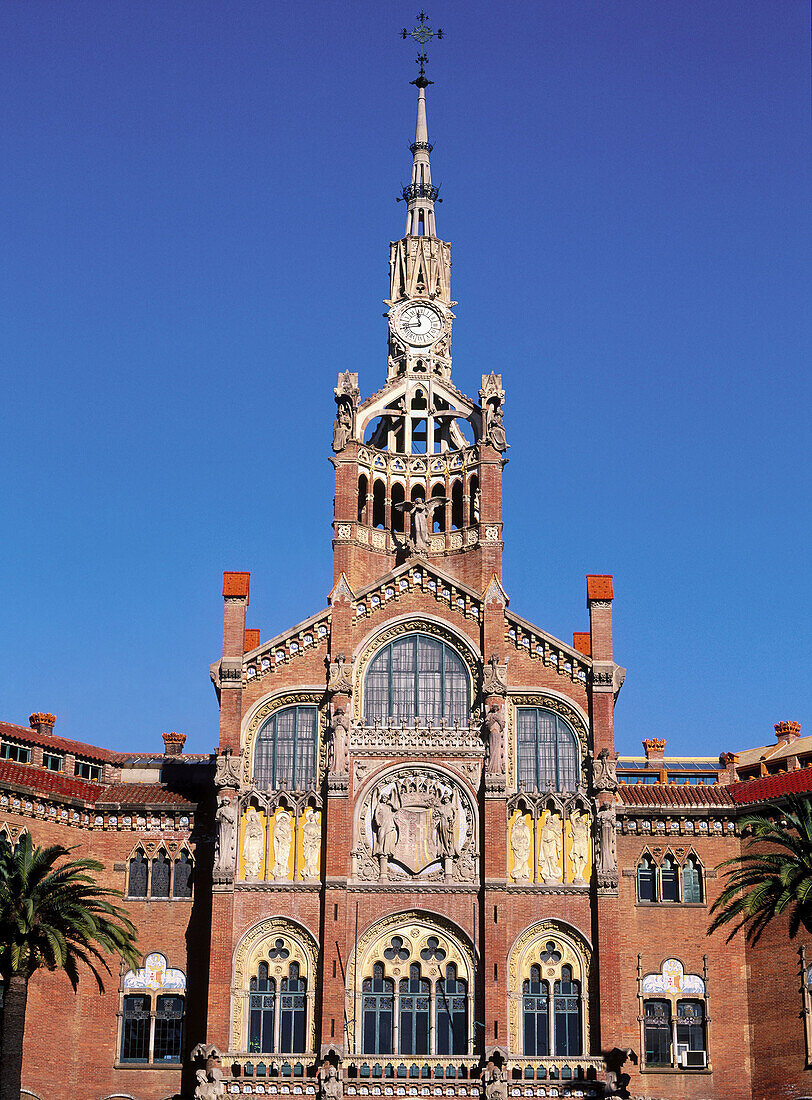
column 419, row 464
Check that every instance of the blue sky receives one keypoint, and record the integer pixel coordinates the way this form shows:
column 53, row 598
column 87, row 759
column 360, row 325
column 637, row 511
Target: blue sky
column 196, row 201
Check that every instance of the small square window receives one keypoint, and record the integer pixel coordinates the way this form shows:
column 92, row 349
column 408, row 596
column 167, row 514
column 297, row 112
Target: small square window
column 52, row 761
column 20, row 753
column 83, row 770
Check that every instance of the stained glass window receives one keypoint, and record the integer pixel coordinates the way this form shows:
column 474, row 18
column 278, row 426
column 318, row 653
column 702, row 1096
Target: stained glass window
column 160, row 875
column 261, row 1012
column 293, row 1014
column 547, row 750
column 182, row 882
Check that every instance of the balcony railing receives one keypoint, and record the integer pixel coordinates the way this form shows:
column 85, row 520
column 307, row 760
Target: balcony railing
column 578, row 1068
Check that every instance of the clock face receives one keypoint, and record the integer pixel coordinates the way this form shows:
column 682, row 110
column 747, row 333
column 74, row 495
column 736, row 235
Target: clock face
column 419, row 324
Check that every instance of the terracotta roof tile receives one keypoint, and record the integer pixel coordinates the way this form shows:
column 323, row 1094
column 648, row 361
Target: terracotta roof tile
column 142, row 794
column 772, row 786
column 61, row 744
column 44, row 782
column 674, row 794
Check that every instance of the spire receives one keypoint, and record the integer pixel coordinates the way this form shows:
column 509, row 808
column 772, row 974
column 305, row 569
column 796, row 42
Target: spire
column 421, row 195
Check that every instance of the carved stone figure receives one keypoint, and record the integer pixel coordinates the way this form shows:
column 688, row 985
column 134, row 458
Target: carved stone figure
column 226, row 818
column 475, row 506
column 445, row 817
column 282, row 840
column 495, row 1084
column 342, row 426
column 495, row 728
column 520, row 841
column 550, row 857
column 579, row 853
column 332, row 1087
column 422, row 513
column 311, row 844
column 339, row 677
column 496, row 430
column 340, row 730
column 385, row 827
column 210, row 1084
column 606, row 855
column 253, row 843
column 228, row 771
column 604, row 772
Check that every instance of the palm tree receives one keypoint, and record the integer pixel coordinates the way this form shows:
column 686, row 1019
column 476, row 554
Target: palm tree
column 774, row 875
column 52, row 916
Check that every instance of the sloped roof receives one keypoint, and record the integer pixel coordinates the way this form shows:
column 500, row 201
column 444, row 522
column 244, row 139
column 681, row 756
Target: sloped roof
column 61, row 744
column 769, row 787
column 777, row 751
column 48, row 784
column 674, row 794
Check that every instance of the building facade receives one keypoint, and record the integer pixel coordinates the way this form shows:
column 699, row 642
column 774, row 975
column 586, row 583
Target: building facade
column 415, row 864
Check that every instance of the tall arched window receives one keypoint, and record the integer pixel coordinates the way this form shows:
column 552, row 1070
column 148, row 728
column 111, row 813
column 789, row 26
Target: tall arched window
column 262, row 1012
column 567, row 1013
column 669, row 882
column 451, row 996
column 536, row 1015
column 378, row 1009
column 137, row 878
column 293, row 1015
column 286, row 749
column 691, row 881
column 414, row 1013
column 646, row 880
column 160, row 875
column 417, row 677
column 547, row 750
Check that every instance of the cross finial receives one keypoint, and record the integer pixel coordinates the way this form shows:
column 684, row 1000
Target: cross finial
column 422, row 33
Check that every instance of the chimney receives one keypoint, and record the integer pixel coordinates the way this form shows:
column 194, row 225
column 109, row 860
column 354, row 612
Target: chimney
column 728, row 762
column 173, row 744
column 44, row 723
column 785, row 732
column 654, row 748
column 582, row 642
column 250, row 638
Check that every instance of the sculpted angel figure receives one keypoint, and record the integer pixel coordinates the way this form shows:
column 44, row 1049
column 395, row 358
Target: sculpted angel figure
column 311, row 844
column 520, row 841
column 580, row 846
column 422, row 513
column 253, row 843
column 282, row 839
column 550, row 860
column 445, row 818
column 226, row 818
column 385, row 826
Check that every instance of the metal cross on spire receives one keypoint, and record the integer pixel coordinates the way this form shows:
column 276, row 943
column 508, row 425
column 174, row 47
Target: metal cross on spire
column 422, row 33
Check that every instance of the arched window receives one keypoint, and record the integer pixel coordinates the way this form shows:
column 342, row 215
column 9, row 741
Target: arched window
column 261, row 1012
column 293, row 1016
column 362, row 498
column 536, row 1015
column 135, row 1028
column 378, row 504
column 182, row 881
column 691, row 881
column 547, row 750
column 691, row 1032
column 451, row 996
column 439, row 512
column 473, row 497
column 657, row 1020
column 646, row 880
column 378, row 1010
column 398, row 514
column 669, row 882
column 414, row 1013
column 456, row 504
column 137, row 878
column 567, row 1014
column 160, row 875
column 286, row 749
column 417, row 677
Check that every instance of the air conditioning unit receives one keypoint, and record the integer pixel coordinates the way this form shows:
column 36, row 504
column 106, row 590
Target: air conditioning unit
column 682, row 1048
column 694, row 1059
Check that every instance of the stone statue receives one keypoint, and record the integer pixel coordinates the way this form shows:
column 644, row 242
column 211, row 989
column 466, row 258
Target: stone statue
column 340, row 730
column 604, row 772
column 607, row 857
column 476, row 505
column 520, row 841
column 332, row 1087
column 210, row 1084
column 342, row 426
column 253, row 843
column 226, row 818
column 496, row 430
column 311, row 844
column 282, row 840
column 422, row 513
column 495, row 727
column 445, row 818
column 579, row 853
column 550, row 858
column 495, row 1084
column 386, row 830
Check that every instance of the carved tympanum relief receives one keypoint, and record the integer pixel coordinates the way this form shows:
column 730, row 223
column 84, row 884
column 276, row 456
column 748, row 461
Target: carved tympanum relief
column 416, row 823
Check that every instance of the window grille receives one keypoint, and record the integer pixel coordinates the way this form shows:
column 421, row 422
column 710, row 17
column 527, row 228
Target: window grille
column 139, row 873
column 657, row 1020
column 414, row 1013
column 168, row 1029
column 417, row 677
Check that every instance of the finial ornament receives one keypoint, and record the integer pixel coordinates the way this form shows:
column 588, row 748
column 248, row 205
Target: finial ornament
column 422, row 33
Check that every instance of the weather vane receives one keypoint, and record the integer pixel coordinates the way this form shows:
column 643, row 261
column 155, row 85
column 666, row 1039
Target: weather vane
column 422, row 33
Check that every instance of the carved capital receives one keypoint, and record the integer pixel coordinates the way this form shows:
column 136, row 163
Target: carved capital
column 494, row 677
column 228, row 771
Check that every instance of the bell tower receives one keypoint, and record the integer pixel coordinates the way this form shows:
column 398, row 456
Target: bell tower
column 419, row 464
